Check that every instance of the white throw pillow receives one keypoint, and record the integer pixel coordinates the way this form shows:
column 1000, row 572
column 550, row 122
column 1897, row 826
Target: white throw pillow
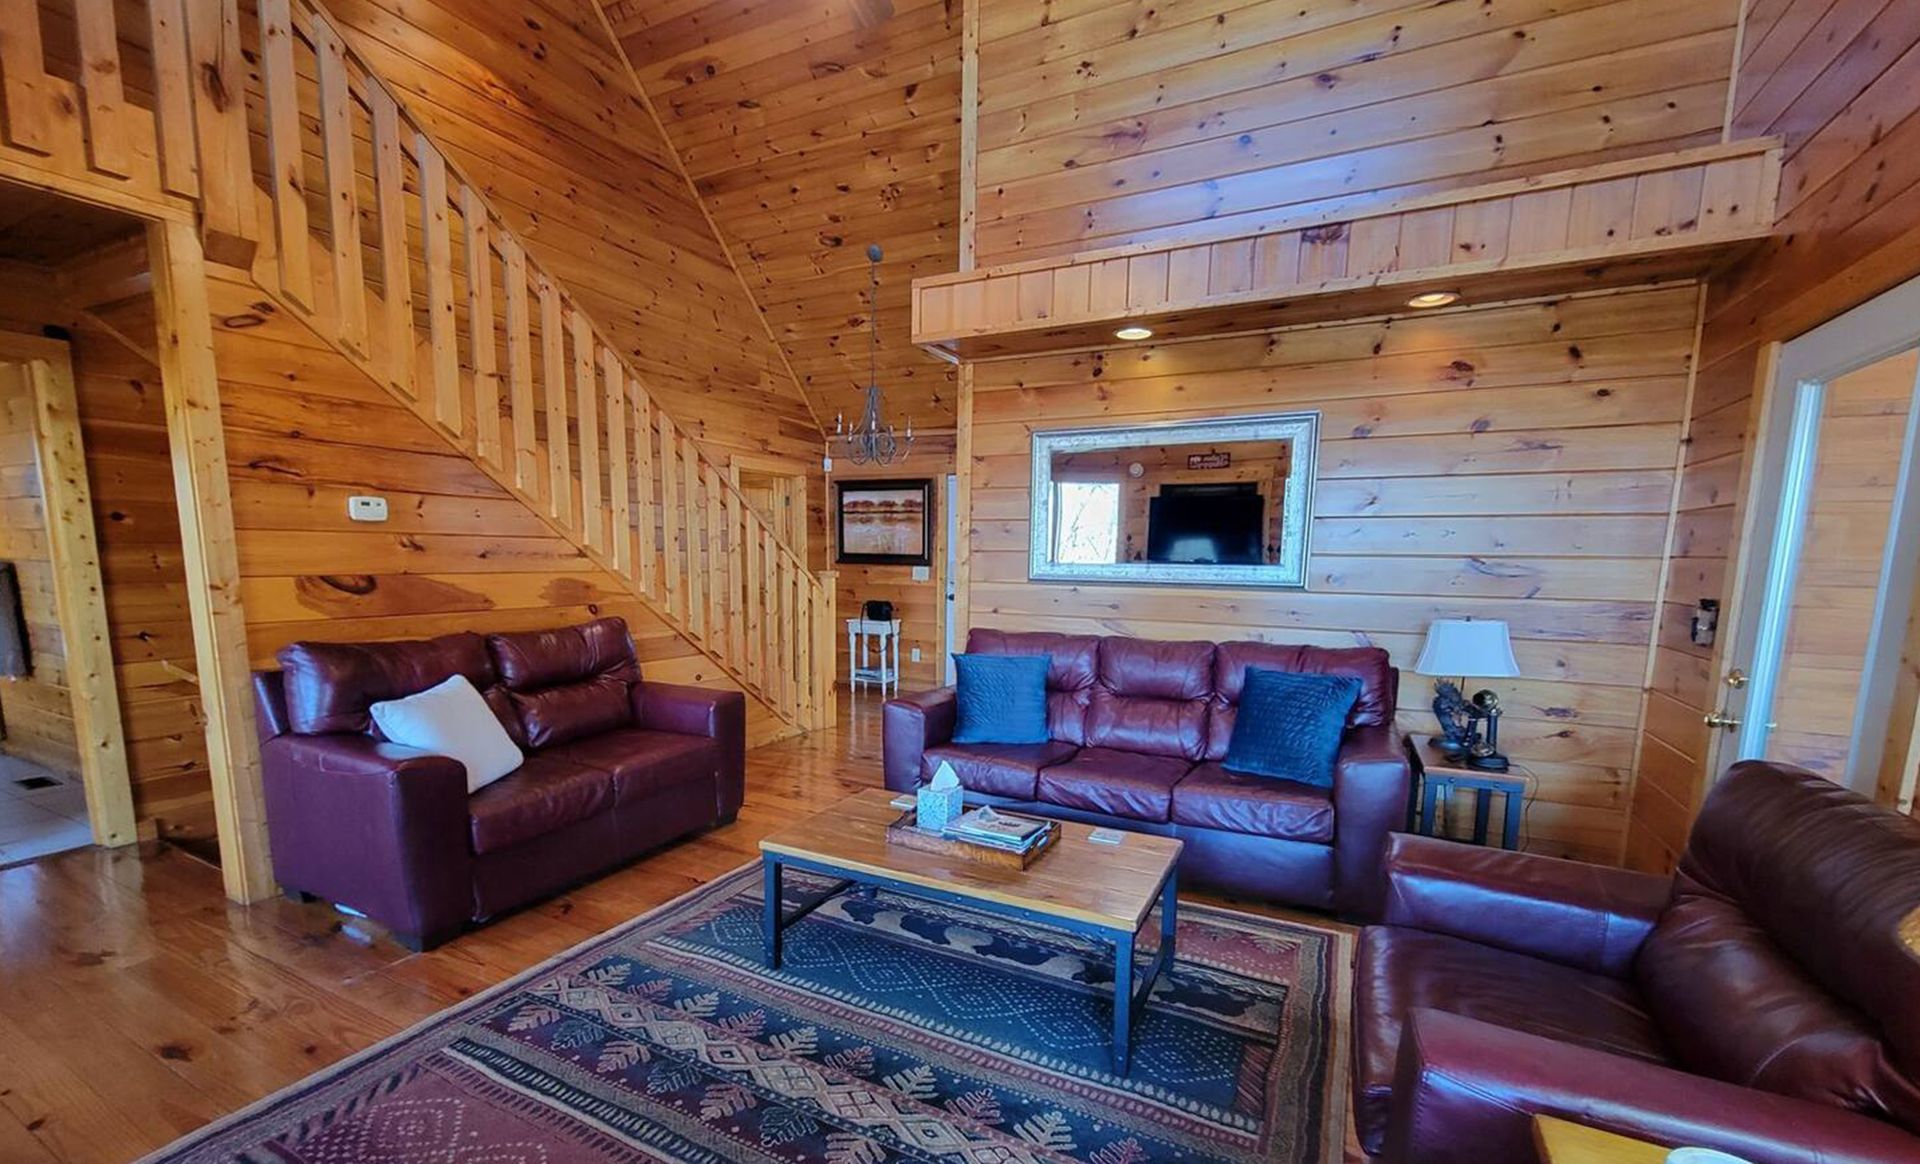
column 454, row 720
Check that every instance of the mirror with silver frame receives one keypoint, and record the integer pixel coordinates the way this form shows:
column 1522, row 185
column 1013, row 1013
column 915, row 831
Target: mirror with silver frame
column 1207, row 503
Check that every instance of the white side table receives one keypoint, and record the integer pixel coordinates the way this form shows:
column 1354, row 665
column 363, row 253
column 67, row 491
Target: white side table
column 862, row 635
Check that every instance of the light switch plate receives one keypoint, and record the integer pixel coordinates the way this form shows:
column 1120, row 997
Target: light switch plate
column 923, row 574
column 916, row 654
column 367, row 508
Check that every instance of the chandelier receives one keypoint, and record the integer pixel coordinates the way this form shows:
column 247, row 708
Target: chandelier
column 872, row 441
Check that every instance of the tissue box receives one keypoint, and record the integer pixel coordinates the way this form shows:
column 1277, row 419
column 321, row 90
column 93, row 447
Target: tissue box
column 936, row 808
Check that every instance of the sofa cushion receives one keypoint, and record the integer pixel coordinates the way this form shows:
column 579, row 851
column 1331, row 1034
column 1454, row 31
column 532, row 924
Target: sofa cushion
column 1074, row 665
column 1129, row 784
column 1152, row 697
column 1000, row 699
column 1010, row 770
column 1734, row 1007
column 529, row 660
column 451, row 719
column 1399, row 969
column 1292, row 726
column 573, row 711
column 1370, row 665
column 1213, row 798
column 548, row 792
column 643, row 762
column 570, row 682
column 329, row 686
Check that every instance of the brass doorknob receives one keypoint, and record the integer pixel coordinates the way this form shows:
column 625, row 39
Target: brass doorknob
column 1715, row 719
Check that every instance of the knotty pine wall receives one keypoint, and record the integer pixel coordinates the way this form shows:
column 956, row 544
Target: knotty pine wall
column 920, row 606
column 1840, row 82
column 1104, row 122
column 532, row 101
column 129, row 471
column 305, row 429
column 36, row 711
column 1511, row 462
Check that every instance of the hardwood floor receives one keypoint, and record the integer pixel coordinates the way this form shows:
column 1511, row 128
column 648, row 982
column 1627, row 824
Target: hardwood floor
column 136, row 1003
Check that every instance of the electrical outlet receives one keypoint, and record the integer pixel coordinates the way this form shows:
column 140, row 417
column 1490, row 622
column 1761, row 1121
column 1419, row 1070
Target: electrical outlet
column 923, row 574
column 916, row 654
column 367, row 508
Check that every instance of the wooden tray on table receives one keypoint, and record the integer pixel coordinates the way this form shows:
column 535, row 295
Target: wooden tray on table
column 906, row 833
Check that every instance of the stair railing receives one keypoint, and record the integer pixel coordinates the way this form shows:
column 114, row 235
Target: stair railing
column 377, row 241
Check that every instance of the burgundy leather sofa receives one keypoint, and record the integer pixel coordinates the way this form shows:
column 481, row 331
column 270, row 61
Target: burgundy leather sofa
column 615, row 766
column 1139, row 729
column 1761, row 1001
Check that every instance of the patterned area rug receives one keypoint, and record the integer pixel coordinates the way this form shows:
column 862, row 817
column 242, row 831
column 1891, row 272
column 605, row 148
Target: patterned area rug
column 897, row 1030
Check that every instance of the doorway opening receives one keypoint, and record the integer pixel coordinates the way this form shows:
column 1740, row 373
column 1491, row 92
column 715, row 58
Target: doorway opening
column 103, row 699
column 1825, row 656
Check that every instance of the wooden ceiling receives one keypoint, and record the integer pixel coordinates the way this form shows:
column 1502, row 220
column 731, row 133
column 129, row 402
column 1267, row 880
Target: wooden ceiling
column 813, row 128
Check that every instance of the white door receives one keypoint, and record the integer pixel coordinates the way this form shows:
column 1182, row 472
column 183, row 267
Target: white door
column 1825, row 610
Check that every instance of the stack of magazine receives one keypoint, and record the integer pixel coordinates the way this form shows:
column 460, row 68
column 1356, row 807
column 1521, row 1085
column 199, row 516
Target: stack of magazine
column 996, row 830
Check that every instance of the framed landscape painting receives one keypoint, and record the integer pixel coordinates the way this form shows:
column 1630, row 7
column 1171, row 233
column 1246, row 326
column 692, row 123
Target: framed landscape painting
column 886, row 523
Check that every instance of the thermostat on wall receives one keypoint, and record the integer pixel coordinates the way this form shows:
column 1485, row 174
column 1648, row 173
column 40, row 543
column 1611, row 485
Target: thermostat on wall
column 367, row 508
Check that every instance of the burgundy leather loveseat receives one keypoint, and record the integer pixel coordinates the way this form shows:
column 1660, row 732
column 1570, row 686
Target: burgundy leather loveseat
column 1139, row 729
column 615, row 766
column 1761, row 1001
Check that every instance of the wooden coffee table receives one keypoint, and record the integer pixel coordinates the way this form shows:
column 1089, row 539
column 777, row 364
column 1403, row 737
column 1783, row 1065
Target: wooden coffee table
column 1100, row 891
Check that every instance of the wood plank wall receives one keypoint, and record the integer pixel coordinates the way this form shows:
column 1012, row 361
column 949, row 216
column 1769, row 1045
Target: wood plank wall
column 532, row 102
column 813, row 130
column 130, row 473
column 1103, row 122
column 1840, row 82
column 305, row 430
column 1511, row 462
column 36, row 711
column 920, row 606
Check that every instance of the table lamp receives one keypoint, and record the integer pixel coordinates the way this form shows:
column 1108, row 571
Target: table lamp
column 1468, row 647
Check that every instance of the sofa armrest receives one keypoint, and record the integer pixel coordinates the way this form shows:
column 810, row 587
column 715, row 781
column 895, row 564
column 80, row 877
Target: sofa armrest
column 700, row 711
column 1466, row 1092
column 911, row 724
column 375, row 826
column 1592, row 917
column 1372, row 794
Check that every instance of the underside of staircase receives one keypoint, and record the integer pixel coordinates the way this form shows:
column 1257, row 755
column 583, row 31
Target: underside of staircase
column 366, row 233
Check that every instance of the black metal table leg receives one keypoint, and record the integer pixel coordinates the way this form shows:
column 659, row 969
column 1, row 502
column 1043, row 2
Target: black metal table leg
column 1516, row 809
column 770, row 912
column 1482, row 812
column 1169, row 916
column 1122, row 1002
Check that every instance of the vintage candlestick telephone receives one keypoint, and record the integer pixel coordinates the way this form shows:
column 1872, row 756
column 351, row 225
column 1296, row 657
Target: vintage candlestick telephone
column 1460, row 740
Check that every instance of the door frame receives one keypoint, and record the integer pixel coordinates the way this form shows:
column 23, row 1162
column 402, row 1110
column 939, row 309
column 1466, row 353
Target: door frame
column 66, row 502
column 1876, row 330
column 800, row 519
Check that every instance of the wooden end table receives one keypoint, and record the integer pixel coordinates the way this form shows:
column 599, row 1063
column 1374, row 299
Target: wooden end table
column 1100, row 891
column 1440, row 779
column 1565, row 1142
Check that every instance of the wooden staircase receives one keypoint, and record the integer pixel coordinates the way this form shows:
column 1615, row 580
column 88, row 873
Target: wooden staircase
column 369, row 235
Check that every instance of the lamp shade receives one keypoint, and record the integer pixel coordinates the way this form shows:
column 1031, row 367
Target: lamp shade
column 1468, row 647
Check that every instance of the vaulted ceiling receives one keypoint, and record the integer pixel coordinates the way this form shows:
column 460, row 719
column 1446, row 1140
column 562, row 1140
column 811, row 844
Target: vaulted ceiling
column 812, row 128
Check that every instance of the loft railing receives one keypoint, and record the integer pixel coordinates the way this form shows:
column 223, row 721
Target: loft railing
column 376, row 240
column 95, row 101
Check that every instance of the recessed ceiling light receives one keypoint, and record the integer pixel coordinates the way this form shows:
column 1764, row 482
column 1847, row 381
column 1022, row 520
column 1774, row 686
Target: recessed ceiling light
column 1134, row 331
column 1434, row 299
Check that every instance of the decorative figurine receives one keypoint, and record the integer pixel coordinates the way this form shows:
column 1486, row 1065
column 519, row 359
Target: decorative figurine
column 1456, row 721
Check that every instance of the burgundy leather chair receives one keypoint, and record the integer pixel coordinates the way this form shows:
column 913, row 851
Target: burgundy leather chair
column 615, row 766
column 1138, row 731
column 1760, row 1001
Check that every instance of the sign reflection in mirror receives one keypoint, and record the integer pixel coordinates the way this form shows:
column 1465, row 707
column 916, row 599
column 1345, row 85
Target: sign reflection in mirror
column 1206, row 503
